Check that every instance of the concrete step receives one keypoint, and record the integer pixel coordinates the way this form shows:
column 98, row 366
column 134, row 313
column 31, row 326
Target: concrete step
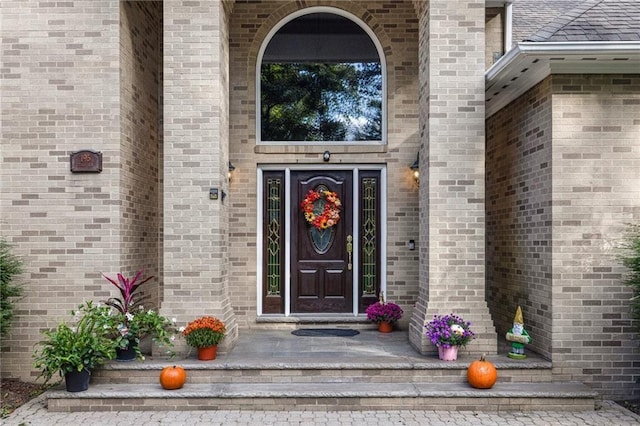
column 400, row 370
column 323, row 396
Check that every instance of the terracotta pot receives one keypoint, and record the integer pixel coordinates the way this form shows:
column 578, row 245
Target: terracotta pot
column 448, row 354
column 385, row 327
column 208, row 353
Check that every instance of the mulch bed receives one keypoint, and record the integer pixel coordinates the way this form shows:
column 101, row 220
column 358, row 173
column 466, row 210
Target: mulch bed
column 14, row 393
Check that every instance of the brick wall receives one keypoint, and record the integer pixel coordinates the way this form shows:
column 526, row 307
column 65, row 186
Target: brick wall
column 561, row 265
column 195, row 158
column 395, row 26
column 494, row 35
column 140, row 192
column 452, row 262
column 518, row 176
column 596, row 190
column 60, row 81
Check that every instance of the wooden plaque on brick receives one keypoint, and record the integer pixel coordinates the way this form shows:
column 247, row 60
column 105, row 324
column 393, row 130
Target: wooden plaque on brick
column 86, row 161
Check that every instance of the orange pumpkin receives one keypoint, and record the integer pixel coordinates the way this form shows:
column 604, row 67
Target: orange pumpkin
column 482, row 374
column 173, row 377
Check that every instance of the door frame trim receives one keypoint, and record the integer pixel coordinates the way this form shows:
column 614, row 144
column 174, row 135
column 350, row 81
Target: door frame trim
column 355, row 168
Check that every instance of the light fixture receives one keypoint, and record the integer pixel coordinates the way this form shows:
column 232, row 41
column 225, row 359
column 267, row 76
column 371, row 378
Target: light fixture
column 231, row 169
column 415, row 167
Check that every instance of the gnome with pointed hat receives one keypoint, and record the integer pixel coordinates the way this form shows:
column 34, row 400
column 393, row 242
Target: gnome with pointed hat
column 518, row 337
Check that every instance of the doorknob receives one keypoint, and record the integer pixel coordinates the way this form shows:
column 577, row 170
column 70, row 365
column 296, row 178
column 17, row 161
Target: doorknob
column 349, row 250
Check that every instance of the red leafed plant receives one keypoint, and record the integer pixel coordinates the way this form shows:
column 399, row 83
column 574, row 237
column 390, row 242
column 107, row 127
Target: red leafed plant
column 127, row 288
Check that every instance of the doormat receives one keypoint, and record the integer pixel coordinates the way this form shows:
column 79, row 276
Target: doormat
column 324, row 332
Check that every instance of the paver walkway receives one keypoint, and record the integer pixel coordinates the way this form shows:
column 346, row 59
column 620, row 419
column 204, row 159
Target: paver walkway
column 35, row 413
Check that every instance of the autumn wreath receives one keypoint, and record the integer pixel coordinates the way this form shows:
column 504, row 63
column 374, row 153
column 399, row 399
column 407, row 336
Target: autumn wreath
column 330, row 214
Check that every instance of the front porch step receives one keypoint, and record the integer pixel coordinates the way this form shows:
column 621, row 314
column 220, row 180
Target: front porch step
column 400, row 370
column 274, row 370
column 326, row 396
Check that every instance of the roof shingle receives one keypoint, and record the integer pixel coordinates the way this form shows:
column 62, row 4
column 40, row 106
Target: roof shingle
column 592, row 20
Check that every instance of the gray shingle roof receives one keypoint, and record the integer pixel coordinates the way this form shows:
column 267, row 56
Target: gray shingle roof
column 593, row 20
column 531, row 15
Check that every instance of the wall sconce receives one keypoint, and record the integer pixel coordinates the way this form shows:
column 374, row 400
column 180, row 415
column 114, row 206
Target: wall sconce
column 231, row 169
column 415, row 168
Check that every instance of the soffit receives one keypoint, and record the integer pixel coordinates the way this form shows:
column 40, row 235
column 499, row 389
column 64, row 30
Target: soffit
column 530, row 62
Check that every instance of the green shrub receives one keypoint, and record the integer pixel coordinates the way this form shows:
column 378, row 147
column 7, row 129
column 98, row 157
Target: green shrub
column 10, row 267
column 85, row 344
column 631, row 260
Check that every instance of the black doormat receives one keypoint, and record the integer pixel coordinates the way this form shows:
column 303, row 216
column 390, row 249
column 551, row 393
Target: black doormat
column 324, row 332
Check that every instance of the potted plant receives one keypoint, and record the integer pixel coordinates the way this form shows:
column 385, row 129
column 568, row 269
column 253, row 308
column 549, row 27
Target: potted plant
column 73, row 351
column 130, row 321
column 204, row 333
column 448, row 333
column 384, row 314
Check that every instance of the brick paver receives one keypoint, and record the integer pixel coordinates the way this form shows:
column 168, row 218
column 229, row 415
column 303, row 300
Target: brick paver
column 35, row 413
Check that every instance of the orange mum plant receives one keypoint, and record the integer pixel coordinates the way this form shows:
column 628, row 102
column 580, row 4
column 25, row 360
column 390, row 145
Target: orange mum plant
column 204, row 331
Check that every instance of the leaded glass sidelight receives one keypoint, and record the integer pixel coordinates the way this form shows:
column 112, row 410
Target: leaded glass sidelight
column 273, row 242
column 274, row 251
column 369, row 237
column 369, row 241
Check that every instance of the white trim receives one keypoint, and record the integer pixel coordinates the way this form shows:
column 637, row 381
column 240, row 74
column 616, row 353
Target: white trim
column 356, row 241
column 383, row 66
column 508, row 26
column 287, row 238
column 259, row 238
column 528, row 63
column 383, row 231
column 288, row 168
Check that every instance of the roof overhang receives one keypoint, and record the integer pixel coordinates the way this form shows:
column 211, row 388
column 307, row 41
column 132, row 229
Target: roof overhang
column 528, row 63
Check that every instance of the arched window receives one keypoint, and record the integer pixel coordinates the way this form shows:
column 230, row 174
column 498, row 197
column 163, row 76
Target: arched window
column 321, row 80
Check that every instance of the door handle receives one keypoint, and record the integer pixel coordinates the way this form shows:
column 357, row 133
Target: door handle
column 349, row 250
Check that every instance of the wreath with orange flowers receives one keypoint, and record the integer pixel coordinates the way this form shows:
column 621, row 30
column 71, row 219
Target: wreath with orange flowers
column 321, row 208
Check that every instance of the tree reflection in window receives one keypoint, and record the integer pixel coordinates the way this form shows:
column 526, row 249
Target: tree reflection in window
column 321, row 80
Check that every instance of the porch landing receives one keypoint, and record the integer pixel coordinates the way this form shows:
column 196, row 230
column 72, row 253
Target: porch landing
column 275, row 370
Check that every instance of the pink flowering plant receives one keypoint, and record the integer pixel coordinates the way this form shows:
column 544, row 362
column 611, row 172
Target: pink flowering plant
column 384, row 312
column 449, row 330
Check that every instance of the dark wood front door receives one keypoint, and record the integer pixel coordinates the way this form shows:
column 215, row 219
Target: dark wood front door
column 321, row 261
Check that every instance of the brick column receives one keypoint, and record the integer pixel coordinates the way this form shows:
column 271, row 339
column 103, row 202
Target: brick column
column 196, row 94
column 452, row 155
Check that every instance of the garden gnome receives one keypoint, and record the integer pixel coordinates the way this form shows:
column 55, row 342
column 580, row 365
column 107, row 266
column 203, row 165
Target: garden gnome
column 518, row 337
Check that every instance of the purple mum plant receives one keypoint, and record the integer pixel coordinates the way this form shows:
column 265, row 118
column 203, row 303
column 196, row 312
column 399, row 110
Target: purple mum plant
column 449, row 330
column 384, row 312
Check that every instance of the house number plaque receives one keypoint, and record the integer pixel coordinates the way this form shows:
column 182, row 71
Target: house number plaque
column 86, row 161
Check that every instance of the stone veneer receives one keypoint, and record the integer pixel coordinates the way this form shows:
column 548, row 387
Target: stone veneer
column 562, row 179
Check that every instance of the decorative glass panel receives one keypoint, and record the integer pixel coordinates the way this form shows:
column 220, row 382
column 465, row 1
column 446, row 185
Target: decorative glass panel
column 274, row 244
column 369, row 246
column 321, row 238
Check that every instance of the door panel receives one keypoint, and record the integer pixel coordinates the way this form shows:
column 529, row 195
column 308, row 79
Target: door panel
column 321, row 280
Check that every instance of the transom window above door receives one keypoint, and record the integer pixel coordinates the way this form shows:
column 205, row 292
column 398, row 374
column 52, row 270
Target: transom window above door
column 321, row 81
